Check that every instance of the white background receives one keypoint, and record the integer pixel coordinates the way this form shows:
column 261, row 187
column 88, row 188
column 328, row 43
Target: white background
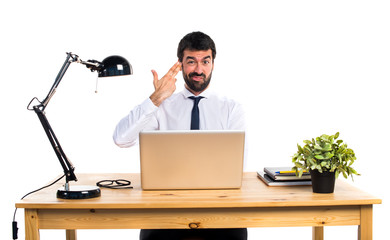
column 300, row 68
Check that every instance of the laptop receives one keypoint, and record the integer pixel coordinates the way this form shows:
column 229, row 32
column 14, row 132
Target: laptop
column 191, row 159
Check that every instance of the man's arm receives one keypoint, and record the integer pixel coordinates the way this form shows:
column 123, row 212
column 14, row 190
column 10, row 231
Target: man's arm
column 143, row 116
column 236, row 119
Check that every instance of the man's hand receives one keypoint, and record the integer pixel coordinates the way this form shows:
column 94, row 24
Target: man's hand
column 166, row 86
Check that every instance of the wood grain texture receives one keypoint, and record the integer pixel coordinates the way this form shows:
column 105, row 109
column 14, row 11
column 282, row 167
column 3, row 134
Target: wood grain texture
column 71, row 234
column 203, row 217
column 254, row 193
column 365, row 227
column 254, row 205
column 318, row 233
column 31, row 224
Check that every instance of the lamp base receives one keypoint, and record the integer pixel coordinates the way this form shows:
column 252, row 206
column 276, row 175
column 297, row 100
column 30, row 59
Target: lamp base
column 78, row 192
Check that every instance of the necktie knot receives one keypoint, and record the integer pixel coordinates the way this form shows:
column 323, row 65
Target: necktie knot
column 196, row 99
column 195, row 113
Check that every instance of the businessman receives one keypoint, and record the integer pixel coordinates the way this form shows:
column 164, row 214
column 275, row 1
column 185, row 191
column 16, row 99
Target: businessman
column 195, row 107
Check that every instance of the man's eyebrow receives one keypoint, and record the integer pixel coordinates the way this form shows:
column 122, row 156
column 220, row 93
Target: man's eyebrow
column 194, row 58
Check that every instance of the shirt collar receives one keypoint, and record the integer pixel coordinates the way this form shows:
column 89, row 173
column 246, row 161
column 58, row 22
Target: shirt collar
column 206, row 93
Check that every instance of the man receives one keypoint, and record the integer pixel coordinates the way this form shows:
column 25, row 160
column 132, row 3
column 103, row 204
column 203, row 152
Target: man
column 164, row 110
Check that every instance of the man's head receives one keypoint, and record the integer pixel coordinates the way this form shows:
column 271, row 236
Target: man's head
column 196, row 41
column 196, row 52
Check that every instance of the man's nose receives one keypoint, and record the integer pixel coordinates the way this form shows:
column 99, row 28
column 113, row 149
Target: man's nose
column 198, row 69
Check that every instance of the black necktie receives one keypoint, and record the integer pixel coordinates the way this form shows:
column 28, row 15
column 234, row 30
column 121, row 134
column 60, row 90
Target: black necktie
column 195, row 113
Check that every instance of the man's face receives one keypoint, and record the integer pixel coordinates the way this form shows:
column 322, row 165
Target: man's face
column 197, row 68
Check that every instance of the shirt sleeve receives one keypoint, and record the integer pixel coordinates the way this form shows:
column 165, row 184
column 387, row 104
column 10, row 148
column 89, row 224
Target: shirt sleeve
column 237, row 122
column 236, row 119
column 142, row 117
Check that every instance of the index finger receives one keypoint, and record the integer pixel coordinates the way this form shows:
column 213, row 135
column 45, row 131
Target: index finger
column 175, row 69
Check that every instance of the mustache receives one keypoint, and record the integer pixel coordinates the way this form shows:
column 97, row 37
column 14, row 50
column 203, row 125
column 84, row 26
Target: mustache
column 194, row 74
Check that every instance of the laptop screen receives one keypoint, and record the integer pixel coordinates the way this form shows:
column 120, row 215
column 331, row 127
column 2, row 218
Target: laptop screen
column 191, row 159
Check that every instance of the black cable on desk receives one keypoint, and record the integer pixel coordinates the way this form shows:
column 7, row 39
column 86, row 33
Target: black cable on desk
column 14, row 223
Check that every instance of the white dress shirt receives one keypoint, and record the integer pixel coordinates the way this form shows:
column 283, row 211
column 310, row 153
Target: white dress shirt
column 215, row 113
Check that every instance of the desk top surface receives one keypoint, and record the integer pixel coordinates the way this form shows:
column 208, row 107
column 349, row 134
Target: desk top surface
column 253, row 193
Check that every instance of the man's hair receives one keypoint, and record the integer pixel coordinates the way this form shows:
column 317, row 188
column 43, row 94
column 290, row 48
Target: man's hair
column 196, row 41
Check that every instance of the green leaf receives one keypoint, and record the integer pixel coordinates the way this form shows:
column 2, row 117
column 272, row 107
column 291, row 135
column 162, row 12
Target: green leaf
column 311, row 162
column 299, row 148
column 325, row 137
column 354, row 171
column 336, row 135
column 327, row 147
column 328, row 155
column 299, row 165
column 325, row 156
column 294, row 169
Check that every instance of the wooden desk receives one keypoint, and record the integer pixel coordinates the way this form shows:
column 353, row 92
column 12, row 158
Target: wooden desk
column 254, row 205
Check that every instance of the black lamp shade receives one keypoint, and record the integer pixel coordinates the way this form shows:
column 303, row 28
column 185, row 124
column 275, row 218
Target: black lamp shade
column 115, row 66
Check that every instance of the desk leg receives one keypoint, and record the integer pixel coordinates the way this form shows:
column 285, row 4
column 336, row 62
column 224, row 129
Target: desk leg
column 31, row 224
column 365, row 228
column 318, row 233
column 71, row 234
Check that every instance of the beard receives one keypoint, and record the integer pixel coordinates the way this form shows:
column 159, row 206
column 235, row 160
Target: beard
column 194, row 85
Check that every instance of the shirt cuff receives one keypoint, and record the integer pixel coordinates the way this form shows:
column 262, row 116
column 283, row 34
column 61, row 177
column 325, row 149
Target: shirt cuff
column 148, row 106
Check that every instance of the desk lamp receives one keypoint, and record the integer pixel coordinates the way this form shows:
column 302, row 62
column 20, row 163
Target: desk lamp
column 110, row 66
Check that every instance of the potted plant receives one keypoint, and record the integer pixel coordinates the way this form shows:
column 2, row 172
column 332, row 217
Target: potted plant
column 325, row 157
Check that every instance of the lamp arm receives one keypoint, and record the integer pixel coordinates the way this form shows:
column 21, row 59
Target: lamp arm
column 39, row 110
column 69, row 59
column 64, row 161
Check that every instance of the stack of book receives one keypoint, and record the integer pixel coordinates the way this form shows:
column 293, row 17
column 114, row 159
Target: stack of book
column 283, row 176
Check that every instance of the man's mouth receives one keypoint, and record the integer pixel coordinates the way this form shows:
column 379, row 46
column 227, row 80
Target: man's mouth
column 197, row 77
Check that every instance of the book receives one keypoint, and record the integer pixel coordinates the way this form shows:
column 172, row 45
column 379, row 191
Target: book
column 276, row 173
column 270, row 182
